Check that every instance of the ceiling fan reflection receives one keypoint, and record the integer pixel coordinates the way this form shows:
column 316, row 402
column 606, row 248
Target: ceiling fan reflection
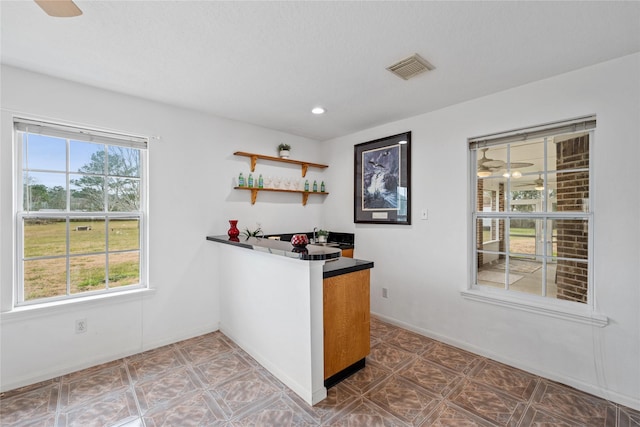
column 487, row 166
column 59, row 8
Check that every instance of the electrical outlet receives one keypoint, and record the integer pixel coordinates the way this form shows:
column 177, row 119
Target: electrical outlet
column 81, row 326
column 385, row 293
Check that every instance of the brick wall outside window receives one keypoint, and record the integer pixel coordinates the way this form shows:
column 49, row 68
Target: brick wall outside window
column 479, row 236
column 572, row 235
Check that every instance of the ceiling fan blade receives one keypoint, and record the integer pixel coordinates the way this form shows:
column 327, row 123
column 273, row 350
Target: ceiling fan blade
column 494, row 164
column 59, row 8
column 483, row 159
column 516, row 165
column 538, row 182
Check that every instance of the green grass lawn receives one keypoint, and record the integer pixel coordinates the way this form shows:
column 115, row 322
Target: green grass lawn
column 87, row 241
column 521, row 240
column 523, row 231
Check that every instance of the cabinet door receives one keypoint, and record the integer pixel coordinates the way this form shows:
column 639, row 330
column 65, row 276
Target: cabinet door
column 346, row 320
column 348, row 253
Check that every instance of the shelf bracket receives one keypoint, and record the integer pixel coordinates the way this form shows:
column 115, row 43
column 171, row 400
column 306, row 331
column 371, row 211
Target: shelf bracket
column 254, row 195
column 305, row 197
column 254, row 159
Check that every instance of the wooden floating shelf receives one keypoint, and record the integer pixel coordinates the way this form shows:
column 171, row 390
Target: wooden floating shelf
column 304, row 165
column 305, row 194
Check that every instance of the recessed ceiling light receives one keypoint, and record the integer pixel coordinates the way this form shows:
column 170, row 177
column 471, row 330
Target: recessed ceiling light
column 318, row 110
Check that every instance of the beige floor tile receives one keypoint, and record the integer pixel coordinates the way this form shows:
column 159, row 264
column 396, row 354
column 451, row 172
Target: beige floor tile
column 409, row 380
column 103, row 410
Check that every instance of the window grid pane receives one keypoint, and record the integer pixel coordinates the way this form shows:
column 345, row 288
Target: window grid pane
column 87, row 273
column 45, row 278
column 541, row 218
column 124, row 269
column 87, row 235
column 65, row 255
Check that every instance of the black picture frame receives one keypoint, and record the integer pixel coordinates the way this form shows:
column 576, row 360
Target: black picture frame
column 382, row 187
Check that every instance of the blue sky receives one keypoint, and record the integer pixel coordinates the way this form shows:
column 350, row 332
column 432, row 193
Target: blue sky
column 49, row 153
column 45, row 158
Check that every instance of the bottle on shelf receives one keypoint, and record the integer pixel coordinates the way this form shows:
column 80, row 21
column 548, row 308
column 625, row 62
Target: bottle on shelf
column 322, row 187
column 251, row 180
column 260, row 182
column 315, row 186
column 241, row 180
column 306, row 185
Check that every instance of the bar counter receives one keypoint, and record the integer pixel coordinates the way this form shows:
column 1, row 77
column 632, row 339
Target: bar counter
column 271, row 299
column 281, row 248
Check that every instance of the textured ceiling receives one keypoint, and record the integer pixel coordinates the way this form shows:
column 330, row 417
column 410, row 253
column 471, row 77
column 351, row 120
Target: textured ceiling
column 269, row 63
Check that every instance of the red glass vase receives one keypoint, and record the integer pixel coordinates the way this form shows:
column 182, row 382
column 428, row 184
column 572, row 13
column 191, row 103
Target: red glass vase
column 233, row 230
column 299, row 240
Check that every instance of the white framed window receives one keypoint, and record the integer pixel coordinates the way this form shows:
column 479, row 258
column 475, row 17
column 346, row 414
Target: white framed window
column 531, row 216
column 81, row 208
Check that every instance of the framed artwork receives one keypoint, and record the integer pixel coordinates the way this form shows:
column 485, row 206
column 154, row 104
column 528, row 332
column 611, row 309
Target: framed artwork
column 382, row 190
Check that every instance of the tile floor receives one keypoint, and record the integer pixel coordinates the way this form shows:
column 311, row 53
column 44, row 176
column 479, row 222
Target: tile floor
column 409, row 380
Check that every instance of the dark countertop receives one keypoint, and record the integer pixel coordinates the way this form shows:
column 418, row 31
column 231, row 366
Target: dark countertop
column 341, row 245
column 336, row 239
column 335, row 265
column 344, row 265
column 282, row 248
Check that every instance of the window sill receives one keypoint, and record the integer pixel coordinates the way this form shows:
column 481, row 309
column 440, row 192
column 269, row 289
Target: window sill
column 552, row 308
column 39, row 310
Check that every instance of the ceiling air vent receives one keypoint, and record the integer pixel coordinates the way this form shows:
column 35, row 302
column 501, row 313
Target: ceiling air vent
column 410, row 67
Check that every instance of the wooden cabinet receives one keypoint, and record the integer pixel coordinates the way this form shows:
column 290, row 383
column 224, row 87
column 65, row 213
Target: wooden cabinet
column 347, row 253
column 304, row 167
column 346, row 321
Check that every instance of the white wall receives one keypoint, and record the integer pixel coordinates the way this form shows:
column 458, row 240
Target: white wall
column 426, row 265
column 191, row 176
column 278, row 322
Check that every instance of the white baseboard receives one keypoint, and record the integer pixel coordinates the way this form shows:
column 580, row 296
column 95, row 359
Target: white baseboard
column 178, row 337
column 310, row 396
column 56, row 371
